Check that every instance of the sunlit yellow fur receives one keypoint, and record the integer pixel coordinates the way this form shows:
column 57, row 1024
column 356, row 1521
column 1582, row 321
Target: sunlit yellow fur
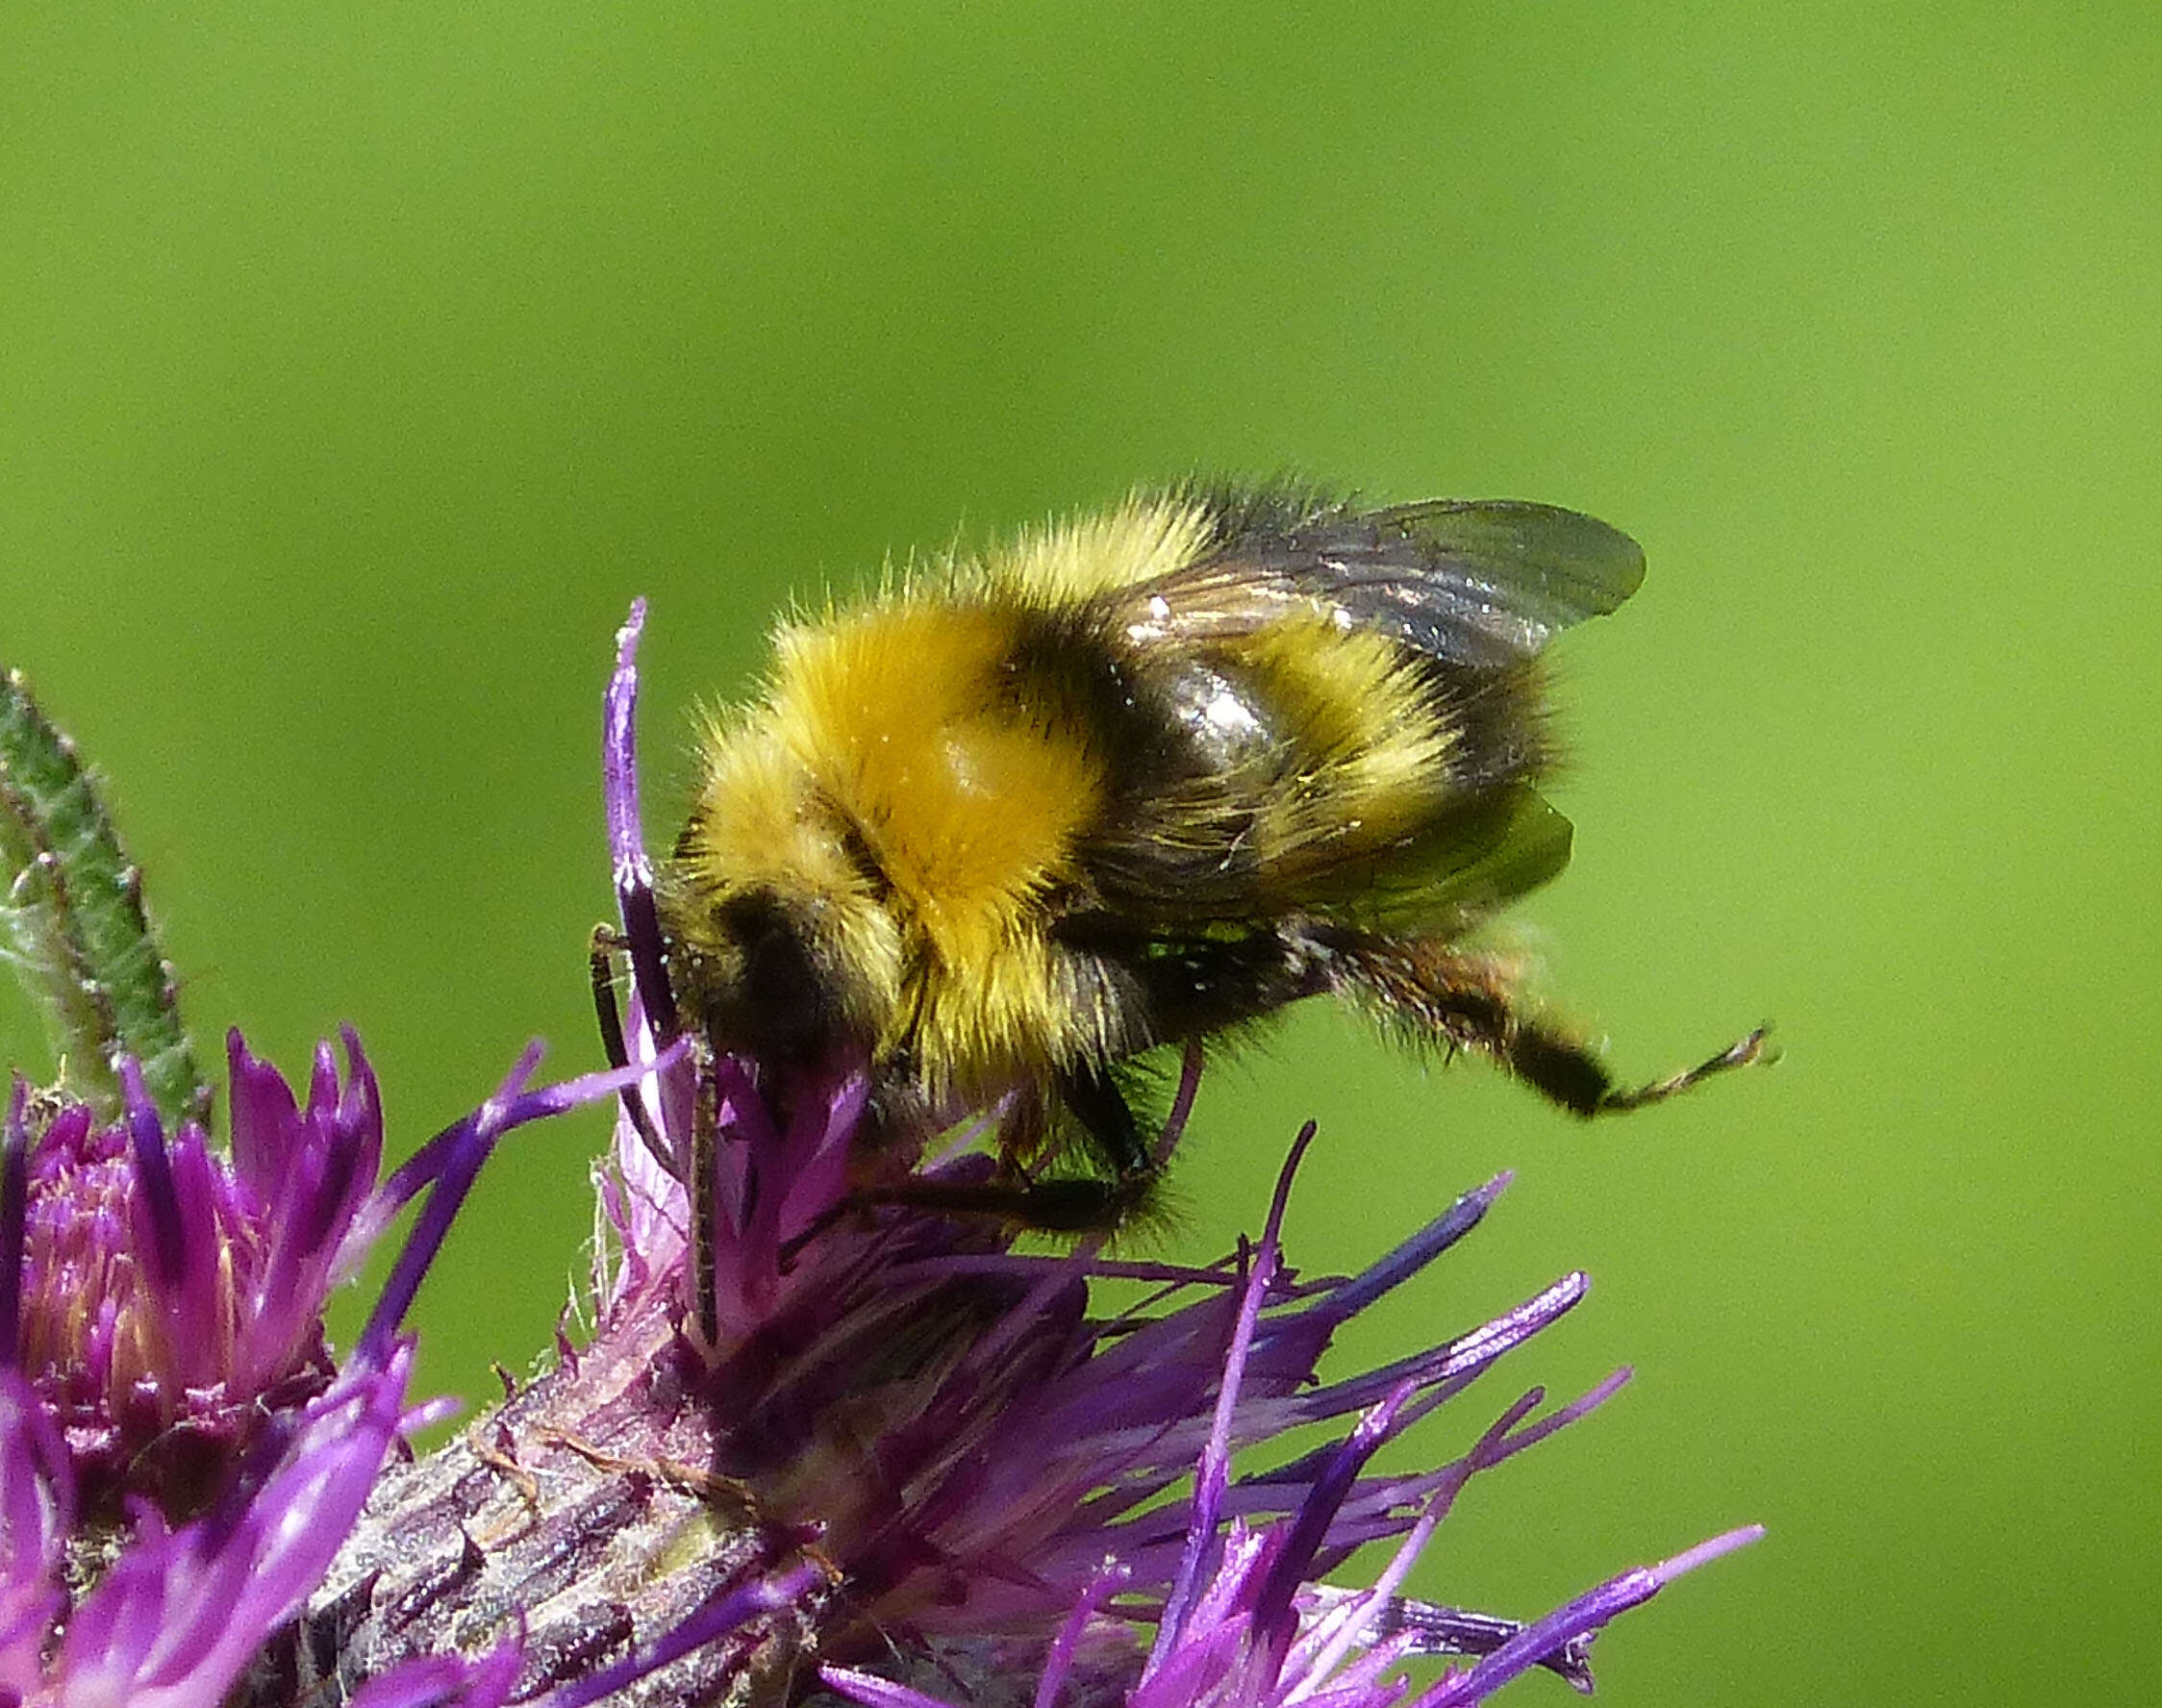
column 1134, row 780
column 973, row 816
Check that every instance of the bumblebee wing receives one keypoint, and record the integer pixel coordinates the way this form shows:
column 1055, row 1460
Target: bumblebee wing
column 1388, row 785
column 1478, row 853
column 1497, row 845
column 1194, row 964
column 1480, row 583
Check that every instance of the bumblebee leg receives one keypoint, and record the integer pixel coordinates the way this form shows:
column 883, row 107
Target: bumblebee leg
column 1755, row 1047
column 1071, row 1206
column 1431, row 992
column 1188, row 987
column 1101, row 1203
column 601, row 950
column 606, row 943
column 1100, row 1107
column 705, row 1169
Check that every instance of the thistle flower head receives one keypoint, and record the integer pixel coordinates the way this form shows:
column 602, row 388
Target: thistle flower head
column 180, row 1459
column 1245, row 1621
column 170, row 1299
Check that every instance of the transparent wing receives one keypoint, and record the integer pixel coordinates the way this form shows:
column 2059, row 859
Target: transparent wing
column 1496, row 846
column 1483, row 583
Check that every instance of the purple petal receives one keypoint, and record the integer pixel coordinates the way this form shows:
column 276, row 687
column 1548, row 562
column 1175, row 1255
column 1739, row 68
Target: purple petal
column 1568, row 1624
column 15, row 1182
column 443, row 1681
column 1214, row 1470
column 36, row 1513
column 1420, row 1250
column 181, row 1614
column 1051, row 1683
column 167, row 1247
column 1310, row 1526
column 873, row 1692
column 626, row 834
column 266, row 1121
column 1454, row 1363
column 189, row 1303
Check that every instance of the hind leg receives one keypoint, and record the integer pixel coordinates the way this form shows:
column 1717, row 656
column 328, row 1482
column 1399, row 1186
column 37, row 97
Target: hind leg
column 1076, row 1111
column 1429, row 991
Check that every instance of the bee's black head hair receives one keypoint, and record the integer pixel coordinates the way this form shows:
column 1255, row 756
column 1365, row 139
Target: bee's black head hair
column 765, row 996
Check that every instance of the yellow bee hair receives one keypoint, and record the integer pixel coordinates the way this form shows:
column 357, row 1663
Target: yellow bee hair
column 1134, row 779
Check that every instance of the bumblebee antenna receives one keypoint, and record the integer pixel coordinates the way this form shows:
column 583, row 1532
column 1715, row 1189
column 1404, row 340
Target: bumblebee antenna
column 607, row 944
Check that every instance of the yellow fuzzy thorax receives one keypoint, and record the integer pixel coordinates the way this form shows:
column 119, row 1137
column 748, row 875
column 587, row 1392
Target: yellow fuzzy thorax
column 884, row 712
column 1142, row 538
column 966, row 811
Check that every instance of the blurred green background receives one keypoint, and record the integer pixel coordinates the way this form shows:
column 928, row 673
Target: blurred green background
column 355, row 373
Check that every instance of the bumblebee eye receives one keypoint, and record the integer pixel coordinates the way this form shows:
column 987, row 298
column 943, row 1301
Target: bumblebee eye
column 779, row 1010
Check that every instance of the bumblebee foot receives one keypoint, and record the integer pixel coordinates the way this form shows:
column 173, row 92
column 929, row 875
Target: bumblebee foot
column 1755, row 1047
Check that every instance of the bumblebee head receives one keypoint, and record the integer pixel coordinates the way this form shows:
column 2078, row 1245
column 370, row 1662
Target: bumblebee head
column 747, row 971
column 779, row 975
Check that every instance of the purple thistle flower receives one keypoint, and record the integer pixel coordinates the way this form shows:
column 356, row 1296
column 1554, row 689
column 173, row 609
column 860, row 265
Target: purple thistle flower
column 166, row 1300
column 163, row 1358
column 1247, row 1623
column 178, row 1615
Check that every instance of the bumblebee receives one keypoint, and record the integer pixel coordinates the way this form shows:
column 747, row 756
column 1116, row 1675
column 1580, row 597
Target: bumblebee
column 1137, row 780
